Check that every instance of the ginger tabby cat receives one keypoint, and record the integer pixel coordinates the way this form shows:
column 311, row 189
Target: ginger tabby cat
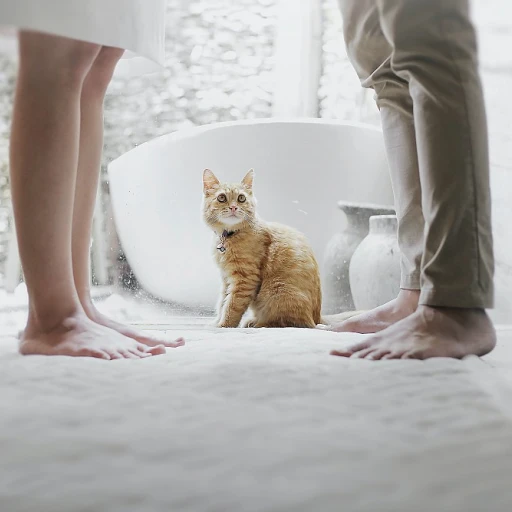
column 266, row 266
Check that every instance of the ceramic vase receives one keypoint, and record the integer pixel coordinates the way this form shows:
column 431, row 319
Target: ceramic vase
column 337, row 295
column 375, row 265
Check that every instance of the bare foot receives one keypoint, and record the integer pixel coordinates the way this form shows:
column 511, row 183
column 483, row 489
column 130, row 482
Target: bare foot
column 79, row 336
column 430, row 332
column 127, row 331
column 379, row 318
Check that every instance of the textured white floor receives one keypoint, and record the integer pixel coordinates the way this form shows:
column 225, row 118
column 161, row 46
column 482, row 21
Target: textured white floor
column 253, row 421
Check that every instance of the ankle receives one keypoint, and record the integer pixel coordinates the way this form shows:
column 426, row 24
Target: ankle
column 408, row 300
column 476, row 312
column 88, row 306
column 44, row 320
column 472, row 318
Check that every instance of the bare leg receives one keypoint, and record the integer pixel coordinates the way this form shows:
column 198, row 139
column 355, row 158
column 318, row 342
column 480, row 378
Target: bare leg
column 91, row 146
column 44, row 158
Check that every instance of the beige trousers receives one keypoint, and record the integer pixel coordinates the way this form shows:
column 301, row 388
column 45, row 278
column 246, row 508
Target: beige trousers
column 420, row 57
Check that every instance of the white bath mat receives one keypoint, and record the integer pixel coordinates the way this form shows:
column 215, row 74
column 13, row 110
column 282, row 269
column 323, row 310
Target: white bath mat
column 250, row 421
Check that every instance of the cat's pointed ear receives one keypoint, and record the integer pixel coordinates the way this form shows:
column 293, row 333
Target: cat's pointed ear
column 210, row 181
column 248, row 179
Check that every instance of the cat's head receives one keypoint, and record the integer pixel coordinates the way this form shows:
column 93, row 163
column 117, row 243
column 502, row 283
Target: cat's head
column 228, row 205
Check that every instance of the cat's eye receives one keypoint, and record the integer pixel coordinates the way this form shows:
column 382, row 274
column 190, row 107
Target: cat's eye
column 241, row 198
column 222, row 198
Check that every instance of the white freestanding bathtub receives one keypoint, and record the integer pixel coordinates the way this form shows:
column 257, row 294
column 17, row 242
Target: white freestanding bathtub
column 302, row 168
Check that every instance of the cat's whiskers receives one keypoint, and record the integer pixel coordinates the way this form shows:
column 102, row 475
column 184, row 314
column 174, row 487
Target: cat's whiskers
column 212, row 219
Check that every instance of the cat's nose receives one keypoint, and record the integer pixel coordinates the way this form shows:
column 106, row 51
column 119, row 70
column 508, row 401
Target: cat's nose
column 233, row 208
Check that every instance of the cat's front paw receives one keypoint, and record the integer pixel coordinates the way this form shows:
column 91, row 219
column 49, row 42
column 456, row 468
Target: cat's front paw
column 218, row 322
column 250, row 323
column 225, row 325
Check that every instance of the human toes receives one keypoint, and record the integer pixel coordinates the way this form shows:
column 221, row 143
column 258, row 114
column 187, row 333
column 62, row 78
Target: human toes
column 362, row 354
column 93, row 352
column 377, row 354
column 340, row 353
column 139, row 353
column 149, row 341
column 392, row 354
column 127, row 353
column 352, row 349
column 157, row 350
column 114, row 354
column 178, row 342
column 415, row 354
